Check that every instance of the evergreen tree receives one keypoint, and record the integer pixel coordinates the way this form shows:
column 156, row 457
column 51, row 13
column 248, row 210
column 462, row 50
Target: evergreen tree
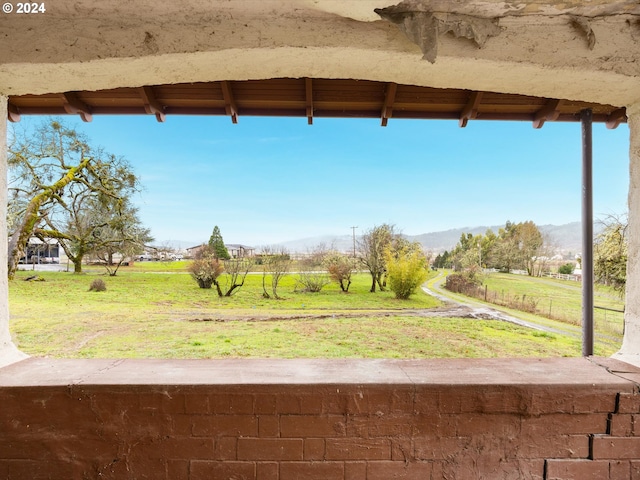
column 216, row 244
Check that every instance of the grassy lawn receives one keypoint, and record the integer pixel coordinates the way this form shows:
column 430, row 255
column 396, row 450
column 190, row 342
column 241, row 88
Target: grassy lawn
column 559, row 299
column 153, row 312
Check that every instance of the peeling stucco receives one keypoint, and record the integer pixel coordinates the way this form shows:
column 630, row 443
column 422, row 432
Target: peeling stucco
column 583, row 26
column 424, row 28
column 424, row 21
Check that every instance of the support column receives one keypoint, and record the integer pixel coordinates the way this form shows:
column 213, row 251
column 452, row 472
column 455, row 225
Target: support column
column 587, row 233
column 8, row 352
column 630, row 351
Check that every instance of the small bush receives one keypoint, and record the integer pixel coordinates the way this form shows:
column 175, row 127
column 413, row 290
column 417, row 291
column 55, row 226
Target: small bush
column 205, row 271
column 311, row 282
column 566, row 269
column 98, row 285
column 311, row 277
column 407, row 270
column 340, row 267
column 466, row 282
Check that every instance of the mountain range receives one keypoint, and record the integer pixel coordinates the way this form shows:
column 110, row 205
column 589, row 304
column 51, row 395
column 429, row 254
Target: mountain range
column 565, row 238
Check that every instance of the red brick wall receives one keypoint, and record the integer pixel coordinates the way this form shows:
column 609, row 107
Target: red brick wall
column 320, row 431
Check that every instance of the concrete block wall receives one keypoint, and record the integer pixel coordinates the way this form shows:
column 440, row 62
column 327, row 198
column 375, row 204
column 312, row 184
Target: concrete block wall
column 579, row 423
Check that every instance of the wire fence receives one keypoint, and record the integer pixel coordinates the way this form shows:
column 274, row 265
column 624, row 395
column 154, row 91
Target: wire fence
column 608, row 320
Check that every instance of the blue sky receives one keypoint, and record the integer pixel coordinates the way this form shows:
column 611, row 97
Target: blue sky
column 269, row 180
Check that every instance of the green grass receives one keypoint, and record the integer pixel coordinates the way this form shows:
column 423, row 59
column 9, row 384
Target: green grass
column 164, row 314
column 364, row 337
column 559, row 299
column 177, row 292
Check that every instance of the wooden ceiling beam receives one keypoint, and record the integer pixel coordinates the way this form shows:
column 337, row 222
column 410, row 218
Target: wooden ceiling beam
column 151, row 104
column 616, row 117
column 290, row 97
column 73, row 105
column 308, row 91
column 229, row 102
column 13, row 113
column 470, row 111
column 389, row 99
column 550, row 112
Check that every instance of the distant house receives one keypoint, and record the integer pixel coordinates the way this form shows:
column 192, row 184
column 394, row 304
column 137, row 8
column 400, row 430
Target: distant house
column 235, row 250
column 39, row 252
column 192, row 252
column 240, row 251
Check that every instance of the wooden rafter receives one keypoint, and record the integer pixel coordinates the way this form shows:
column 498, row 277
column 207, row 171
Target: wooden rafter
column 616, row 118
column 151, row 104
column 73, row 105
column 389, row 99
column 13, row 113
column 308, row 90
column 550, row 112
column 470, row 110
column 229, row 102
column 300, row 97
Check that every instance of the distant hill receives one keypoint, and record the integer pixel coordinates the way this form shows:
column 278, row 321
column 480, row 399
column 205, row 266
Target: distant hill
column 446, row 240
column 342, row 243
column 565, row 237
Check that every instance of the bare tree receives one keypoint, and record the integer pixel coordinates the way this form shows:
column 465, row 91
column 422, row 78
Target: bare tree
column 372, row 246
column 235, row 273
column 312, row 276
column 340, row 267
column 122, row 238
column 275, row 264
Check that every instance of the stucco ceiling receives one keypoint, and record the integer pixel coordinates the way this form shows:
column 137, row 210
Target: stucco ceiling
column 583, row 51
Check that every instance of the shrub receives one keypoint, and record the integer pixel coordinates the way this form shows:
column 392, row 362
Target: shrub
column 311, row 281
column 205, row 271
column 566, row 269
column 340, row 267
column 310, row 277
column 98, row 285
column 467, row 282
column 406, row 271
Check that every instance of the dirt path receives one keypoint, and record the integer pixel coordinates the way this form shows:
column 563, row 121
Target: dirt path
column 456, row 311
column 480, row 310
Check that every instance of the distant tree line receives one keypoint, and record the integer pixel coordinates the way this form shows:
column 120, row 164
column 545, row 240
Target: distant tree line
column 517, row 246
column 522, row 246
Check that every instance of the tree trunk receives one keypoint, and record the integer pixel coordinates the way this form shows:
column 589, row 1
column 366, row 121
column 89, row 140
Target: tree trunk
column 265, row 294
column 373, row 283
column 77, row 264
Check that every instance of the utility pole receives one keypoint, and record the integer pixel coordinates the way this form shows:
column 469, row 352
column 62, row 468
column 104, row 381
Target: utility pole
column 354, row 241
